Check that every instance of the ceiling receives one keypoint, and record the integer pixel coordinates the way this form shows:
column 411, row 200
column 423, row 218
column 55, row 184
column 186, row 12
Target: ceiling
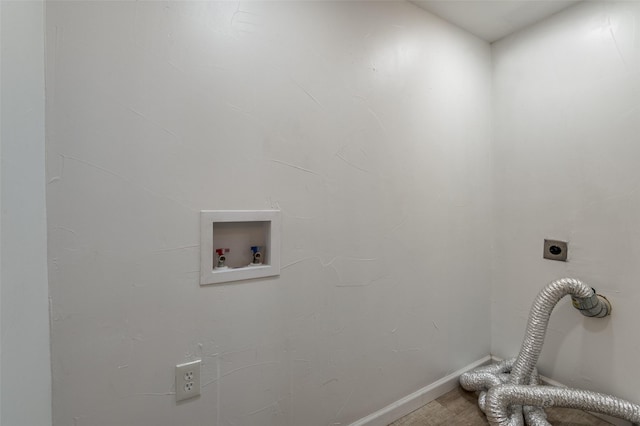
column 490, row 19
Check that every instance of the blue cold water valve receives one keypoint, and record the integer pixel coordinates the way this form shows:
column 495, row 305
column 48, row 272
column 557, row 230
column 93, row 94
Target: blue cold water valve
column 257, row 255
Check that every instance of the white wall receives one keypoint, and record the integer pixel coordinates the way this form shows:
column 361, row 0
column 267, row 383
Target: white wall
column 367, row 123
column 567, row 114
column 25, row 383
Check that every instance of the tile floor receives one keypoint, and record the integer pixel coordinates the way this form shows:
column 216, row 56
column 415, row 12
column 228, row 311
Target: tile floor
column 460, row 408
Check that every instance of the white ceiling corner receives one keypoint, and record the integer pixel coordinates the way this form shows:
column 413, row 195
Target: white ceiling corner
column 493, row 19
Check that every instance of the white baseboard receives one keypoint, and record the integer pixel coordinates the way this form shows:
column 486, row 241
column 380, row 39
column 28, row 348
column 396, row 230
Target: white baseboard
column 409, row 403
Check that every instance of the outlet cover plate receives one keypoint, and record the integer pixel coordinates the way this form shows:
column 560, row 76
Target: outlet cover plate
column 555, row 250
column 187, row 380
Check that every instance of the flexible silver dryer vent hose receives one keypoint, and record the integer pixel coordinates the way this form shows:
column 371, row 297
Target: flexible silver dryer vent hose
column 510, row 394
column 581, row 294
column 501, row 399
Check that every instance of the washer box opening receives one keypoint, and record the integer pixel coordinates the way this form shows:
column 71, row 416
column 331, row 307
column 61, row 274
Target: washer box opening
column 239, row 245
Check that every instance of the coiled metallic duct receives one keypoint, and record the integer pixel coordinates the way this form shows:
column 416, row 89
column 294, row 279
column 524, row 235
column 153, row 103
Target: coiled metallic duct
column 501, row 398
column 520, row 372
column 486, row 377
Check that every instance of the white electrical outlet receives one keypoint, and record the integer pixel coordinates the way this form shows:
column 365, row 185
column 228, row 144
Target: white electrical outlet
column 187, row 380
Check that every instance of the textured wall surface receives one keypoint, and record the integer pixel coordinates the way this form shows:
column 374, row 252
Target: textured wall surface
column 25, row 384
column 567, row 116
column 366, row 123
